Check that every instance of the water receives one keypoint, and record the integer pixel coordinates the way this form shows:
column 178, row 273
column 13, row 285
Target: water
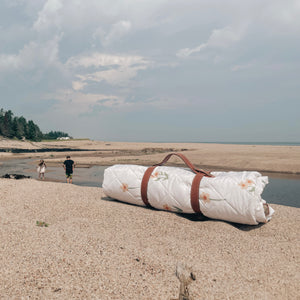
column 257, row 143
column 236, row 143
column 282, row 188
column 92, row 176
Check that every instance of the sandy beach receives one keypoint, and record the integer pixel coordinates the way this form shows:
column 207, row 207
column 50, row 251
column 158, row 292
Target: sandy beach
column 267, row 158
column 96, row 248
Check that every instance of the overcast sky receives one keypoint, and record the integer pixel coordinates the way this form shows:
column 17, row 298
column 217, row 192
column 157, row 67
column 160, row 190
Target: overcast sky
column 154, row 70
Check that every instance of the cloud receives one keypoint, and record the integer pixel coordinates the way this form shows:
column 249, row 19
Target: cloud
column 219, row 38
column 114, row 69
column 116, row 32
column 185, row 52
column 97, row 59
column 242, row 67
column 76, row 102
column 78, row 85
column 118, row 76
column 281, row 16
column 117, row 56
column 48, row 16
column 32, row 56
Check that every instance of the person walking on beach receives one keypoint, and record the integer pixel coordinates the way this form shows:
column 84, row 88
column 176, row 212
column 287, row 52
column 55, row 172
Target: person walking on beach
column 41, row 169
column 69, row 166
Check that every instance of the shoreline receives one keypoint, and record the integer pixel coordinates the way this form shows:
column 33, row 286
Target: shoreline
column 273, row 174
column 211, row 156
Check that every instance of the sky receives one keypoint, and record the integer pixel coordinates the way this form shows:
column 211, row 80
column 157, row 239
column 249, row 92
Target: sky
column 154, row 71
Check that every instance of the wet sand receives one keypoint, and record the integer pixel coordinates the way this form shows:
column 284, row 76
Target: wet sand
column 262, row 158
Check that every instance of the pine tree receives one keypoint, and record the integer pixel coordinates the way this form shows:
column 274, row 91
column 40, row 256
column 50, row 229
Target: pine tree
column 33, row 132
column 1, row 121
column 18, row 127
column 7, row 129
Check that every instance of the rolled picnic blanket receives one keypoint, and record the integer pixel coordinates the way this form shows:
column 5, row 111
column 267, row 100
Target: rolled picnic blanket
column 228, row 196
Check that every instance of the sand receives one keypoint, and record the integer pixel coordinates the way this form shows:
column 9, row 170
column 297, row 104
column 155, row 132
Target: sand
column 96, row 248
column 267, row 158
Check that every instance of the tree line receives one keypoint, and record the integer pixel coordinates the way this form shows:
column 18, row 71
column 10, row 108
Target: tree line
column 18, row 127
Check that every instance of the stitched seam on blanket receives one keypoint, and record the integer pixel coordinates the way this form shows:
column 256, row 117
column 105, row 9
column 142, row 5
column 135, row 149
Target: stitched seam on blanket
column 165, row 188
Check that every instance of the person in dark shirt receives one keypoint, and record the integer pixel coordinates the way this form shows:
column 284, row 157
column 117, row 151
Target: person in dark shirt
column 69, row 166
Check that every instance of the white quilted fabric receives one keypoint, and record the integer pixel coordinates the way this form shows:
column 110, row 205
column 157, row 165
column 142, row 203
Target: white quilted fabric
column 229, row 196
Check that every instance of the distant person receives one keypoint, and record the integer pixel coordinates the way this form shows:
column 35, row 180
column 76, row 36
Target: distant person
column 41, row 169
column 69, row 166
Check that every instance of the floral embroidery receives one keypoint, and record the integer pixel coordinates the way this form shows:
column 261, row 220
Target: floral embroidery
column 154, row 175
column 247, row 185
column 173, row 208
column 166, row 207
column 124, row 187
column 205, row 197
column 160, row 176
column 243, row 185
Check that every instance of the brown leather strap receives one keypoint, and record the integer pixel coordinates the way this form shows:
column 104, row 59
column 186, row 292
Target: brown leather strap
column 144, row 185
column 186, row 161
column 195, row 192
column 195, row 184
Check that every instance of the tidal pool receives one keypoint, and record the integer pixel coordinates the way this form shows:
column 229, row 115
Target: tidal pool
column 282, row 188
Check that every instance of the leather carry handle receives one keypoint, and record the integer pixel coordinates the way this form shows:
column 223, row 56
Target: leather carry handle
column 186, row 161
column 194, row 194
